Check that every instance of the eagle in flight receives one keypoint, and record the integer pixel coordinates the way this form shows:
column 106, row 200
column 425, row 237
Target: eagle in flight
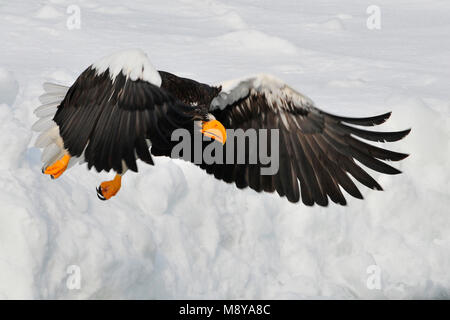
column 121, row 109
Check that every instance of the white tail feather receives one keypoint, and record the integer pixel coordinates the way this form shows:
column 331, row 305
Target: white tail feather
column 51, row 98
column 45, row 108
column 50, row 110
column 49, row 138
column 49, row 152
column 53, row 159
column 55, row 88
column 43, row 124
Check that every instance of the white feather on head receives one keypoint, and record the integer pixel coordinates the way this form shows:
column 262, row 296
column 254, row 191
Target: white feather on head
column 132, row 63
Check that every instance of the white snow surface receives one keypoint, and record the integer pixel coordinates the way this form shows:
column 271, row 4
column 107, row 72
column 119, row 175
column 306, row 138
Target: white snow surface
column 175, row 232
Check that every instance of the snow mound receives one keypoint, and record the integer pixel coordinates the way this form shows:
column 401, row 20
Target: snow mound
column 47, row 12
column 113, row 10
column 9, row 87
column 232, row 19
column 254, row 42
column 331, row 25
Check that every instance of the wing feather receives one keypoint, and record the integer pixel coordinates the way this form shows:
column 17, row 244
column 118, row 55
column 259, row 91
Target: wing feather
column 317, row 150
column 109, row 119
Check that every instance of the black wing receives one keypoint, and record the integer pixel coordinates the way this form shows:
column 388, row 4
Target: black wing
column 316, row 149
column 111, row 121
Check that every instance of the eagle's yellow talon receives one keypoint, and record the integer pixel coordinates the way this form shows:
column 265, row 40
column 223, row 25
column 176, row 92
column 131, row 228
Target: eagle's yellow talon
column 58, row 168
column 109, row 189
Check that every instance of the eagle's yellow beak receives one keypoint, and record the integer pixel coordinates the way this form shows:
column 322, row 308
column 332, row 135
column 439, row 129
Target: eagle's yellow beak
column 215, row 130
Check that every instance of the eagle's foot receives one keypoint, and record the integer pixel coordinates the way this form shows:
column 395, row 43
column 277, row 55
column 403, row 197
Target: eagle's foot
column 109, row 189
column 57, row 168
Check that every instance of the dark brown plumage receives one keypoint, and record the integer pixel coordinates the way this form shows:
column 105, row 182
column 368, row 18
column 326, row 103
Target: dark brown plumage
column 111, row 121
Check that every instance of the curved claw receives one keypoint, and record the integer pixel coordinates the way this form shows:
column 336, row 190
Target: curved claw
column 108, row 189
column 58, row 167
column 43, row 171
column 100, row 193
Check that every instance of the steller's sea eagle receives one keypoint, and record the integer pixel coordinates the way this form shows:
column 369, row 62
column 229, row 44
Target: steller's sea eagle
column 121, row 109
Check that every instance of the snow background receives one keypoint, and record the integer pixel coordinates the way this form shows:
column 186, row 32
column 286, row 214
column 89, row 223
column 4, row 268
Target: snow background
column 175, row 232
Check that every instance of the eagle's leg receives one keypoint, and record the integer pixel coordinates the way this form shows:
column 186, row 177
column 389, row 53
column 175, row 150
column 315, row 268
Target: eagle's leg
column 58, row 167
column 108, row 189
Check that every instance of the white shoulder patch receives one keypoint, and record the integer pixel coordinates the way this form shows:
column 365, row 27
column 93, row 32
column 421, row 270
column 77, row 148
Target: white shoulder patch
column 132, row 63
column 273, row 88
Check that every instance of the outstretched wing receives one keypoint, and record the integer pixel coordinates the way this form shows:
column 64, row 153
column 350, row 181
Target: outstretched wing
column 111, row 117
column 316, row 149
